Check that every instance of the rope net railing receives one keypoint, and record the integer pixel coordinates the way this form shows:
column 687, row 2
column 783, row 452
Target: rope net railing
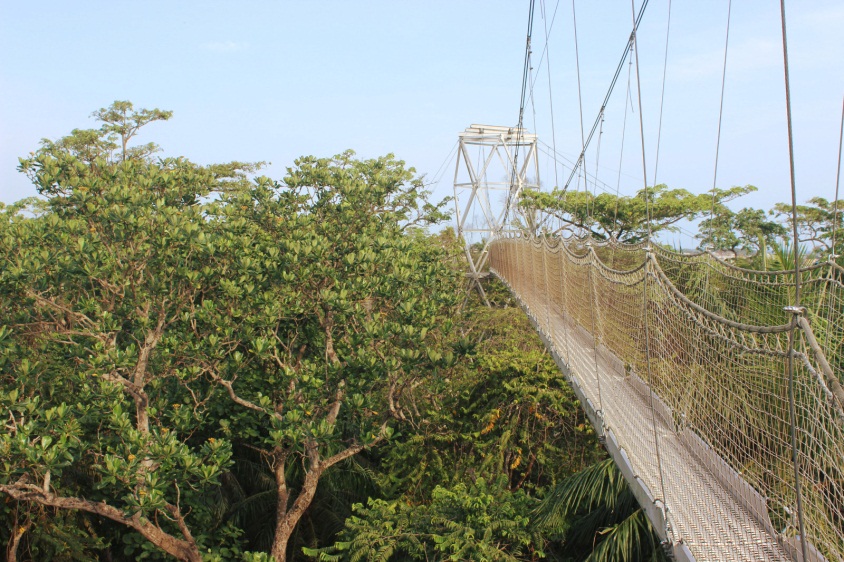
column 685, row 360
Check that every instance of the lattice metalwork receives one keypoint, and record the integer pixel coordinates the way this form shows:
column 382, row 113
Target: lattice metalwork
column 682, row 364
column 494, row 165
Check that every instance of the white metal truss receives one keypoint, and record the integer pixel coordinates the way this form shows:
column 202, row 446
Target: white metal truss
column 492, row 170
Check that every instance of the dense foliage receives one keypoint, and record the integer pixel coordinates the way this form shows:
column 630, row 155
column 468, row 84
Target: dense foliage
column 497, row 435
column 157, row 313
column 203, row 365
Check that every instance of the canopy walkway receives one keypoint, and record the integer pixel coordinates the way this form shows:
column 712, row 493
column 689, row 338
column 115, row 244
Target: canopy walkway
column 682, row 365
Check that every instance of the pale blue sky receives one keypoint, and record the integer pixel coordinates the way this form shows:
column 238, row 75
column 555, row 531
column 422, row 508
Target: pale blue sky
column 261, row 80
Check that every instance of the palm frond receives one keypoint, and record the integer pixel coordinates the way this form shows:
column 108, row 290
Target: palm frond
column 631, row 540
column 598, row 486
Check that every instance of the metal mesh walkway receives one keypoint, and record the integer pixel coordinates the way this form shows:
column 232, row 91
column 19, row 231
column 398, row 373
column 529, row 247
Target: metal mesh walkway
column 693, row 405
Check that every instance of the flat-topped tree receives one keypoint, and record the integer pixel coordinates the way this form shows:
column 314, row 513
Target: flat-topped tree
column 625, row 218
column 87, row 158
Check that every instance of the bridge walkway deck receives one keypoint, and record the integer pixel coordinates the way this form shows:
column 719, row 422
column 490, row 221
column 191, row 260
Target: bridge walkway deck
column 712, row 514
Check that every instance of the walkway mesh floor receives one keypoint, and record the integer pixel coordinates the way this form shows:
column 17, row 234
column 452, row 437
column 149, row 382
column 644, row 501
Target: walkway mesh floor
column 704, row 514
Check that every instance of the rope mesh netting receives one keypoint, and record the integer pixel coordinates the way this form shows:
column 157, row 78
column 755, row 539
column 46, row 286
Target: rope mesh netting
column 685, row 359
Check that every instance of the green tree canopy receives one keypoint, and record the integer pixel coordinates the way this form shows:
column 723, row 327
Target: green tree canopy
column 748, row 229
column 816, row 222
column 121, row 122
column 626, row 218
column 147, row 327
column 86, row 159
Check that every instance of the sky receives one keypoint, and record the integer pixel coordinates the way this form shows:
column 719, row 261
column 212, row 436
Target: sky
column 272, row 81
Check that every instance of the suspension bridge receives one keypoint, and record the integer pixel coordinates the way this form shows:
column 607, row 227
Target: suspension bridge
column 693, row 406
column 717, row 390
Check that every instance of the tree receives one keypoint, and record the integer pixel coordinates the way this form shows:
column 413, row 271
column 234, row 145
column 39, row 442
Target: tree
column 816, row 223
column 348, row 313
column 627, row 218
column 466, row 522
column 716, row 232
column 748, row 229
column 121, row 121
column 147, row 326
column 502, row 412
column 497, row 431
column 93, row 289
column 85, row 158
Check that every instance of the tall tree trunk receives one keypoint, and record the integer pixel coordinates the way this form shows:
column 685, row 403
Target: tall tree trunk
column 287, row 515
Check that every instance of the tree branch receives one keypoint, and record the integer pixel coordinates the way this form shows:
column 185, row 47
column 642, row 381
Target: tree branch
column 178, row 548
column 334, row 411
column 176, row 512
column 14, row 541
column 49, row 303
column 354, row 449
column 228, row 385
column 150, row 342
column 129, row 386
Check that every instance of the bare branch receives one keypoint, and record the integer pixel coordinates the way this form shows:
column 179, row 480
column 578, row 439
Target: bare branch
column 395, row 411
column 130, row 387
column 354, row 449
column 176, row 512
column 228, row 385
column 327, row 325
column 14, row 541
column 150, row 342
column 82, row 319
column 178, row 548
column 334, row 411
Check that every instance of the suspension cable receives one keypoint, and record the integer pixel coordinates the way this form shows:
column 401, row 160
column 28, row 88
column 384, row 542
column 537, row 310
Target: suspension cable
column 647, row 270
column 597, row 163
column 577, row 65
column 796, row 305
column 549, row 28
column 627, row 49
column 519, row 130
column 641, row 124
column 837, row 183
column 621, row 153
column 720, row 116
column 832, row 254
column 526, row 67
column 550, row 96
column 662, row 96
column 437, row 177
column 791, row 158
column 582, row 169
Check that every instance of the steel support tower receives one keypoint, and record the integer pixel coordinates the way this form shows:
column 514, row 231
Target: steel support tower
column 492, row 170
